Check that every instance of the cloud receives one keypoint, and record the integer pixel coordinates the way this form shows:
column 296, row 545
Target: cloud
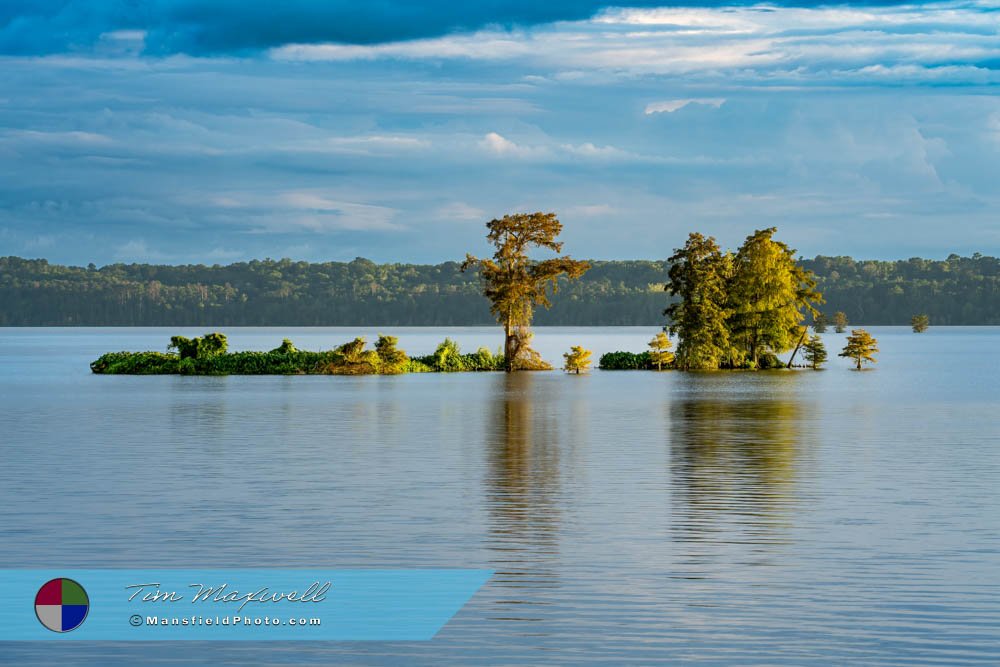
column 309, row 210
column 137, row 250
column 499, row 145
column 229, row 26
column 949, row 41
column 459, row 211
column 590, row 210
column 670, row 106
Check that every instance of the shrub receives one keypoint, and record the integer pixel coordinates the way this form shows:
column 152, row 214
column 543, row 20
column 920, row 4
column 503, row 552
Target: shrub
column 447, row 358
column 286, row 347
column 209, row 345
column 626, row 361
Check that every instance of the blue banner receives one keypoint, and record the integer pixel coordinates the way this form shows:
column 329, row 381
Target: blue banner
column 235, row 604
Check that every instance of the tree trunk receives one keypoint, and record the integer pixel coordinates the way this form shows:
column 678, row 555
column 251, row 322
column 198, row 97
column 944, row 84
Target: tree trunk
column 796, row 350
column 508, row 349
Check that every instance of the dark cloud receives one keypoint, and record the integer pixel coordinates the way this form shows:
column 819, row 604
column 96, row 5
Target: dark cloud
column 29, row 27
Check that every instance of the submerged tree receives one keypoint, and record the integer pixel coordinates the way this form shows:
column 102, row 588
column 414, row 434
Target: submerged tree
column 660, row 353
column 577, row 360
column 920, row 323
column 861, row 347
column 814, row 351
column 840, row 321
column 515, row 284
column 698, row 274
column 768, row 292
column 819, row 323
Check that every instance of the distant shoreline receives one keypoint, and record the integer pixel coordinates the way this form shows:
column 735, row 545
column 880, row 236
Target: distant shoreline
column 958, row 291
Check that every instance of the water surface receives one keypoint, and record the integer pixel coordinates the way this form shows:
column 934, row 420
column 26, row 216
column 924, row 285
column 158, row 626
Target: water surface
column 633, row 517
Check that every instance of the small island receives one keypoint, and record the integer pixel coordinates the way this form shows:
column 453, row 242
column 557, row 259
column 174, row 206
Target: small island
column 731, row 311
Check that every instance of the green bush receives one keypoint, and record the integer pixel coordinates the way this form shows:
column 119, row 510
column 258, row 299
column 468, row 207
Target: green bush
column 135, row 363
column 286, row 347
column 626, row 361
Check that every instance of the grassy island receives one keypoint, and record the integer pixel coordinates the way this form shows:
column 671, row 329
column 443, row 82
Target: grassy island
column 208, row 355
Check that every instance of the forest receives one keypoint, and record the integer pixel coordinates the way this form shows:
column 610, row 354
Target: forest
column 33, row 292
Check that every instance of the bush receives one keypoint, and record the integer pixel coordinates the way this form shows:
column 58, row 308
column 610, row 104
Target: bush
column 135, row 363
column 286, row 347
column 626, row 361
column 209, row 345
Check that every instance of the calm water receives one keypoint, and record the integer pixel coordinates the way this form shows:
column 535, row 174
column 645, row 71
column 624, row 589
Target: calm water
column 740, row 518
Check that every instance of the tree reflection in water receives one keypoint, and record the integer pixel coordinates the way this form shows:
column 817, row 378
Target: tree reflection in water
column 734, row 460
column 522, row 490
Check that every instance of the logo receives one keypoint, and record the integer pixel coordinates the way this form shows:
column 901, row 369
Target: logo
column 61, row 605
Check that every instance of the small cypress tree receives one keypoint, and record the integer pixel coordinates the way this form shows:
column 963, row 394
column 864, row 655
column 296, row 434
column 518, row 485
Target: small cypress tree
column 814, row 351
column 392, row 359
column 286, row 347
column 861, row 347
column 920, row 323
column 840, row 321
column 577, row 359
column 660, row 350
column 819, row 323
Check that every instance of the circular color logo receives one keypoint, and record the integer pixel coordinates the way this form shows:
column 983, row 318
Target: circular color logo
column 61, row 605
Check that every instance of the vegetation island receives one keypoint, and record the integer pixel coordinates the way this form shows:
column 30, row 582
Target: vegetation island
column 734, row 310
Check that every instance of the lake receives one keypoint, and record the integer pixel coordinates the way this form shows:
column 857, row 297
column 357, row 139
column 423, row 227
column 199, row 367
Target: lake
column 788, row 517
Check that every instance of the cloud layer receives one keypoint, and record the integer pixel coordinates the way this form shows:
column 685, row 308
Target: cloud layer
column 864, row 130
column 227, row 26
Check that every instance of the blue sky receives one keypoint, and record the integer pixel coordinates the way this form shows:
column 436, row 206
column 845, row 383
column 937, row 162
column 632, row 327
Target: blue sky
column 180, row 131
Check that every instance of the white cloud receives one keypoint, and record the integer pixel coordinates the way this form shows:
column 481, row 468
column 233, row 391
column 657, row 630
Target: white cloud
column 137, row 250
column 321, row 213
column 500, row 145
column 590, row 210
column 754, row 41
column 459, row 211
column 670, row 106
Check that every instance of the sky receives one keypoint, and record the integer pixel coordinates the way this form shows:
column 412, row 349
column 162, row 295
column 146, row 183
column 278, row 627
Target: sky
column 176, row 131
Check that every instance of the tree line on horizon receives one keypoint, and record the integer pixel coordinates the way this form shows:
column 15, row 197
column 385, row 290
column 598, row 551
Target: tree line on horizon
column 33, row 292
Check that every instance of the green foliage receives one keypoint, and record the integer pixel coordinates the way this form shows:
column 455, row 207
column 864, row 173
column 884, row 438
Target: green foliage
column 515, row 284
column 286, row 347
column 767, row 292
column 861, row 347
column 919, row 323
column 659, row 352
column 698, row 275
column 738, row 311
column 952, row 291
column 766, row 361
column 819, row 323
column 392, row 360
column 814, row 351
column 626, row 361
column 135, row 363
column 448, row 358
column 417, row 366
column 577, row 360
column 209, row 345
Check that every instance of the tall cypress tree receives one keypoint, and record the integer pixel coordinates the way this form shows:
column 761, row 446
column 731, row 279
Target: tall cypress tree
column 698, row 275
column 767, row 293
